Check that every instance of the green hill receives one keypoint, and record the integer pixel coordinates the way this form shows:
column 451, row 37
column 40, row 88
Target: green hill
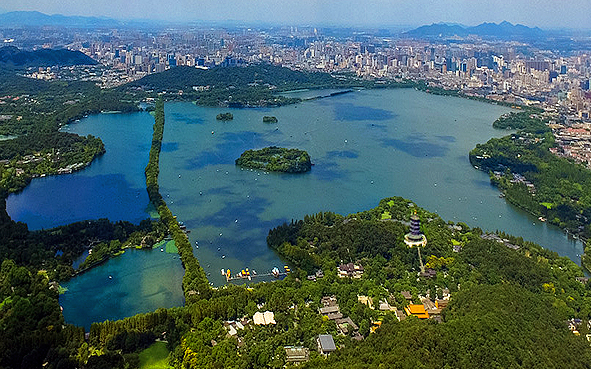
column 12, row 56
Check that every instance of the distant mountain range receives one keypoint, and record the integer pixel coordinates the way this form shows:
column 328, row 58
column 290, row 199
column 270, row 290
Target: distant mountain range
column 12, row 56
column 26, row 18
column 503, row 30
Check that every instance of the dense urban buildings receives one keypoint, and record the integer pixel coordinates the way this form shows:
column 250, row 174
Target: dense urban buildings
column 507, row 71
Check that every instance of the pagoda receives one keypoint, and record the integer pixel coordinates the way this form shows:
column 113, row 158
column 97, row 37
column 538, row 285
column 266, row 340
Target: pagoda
column 415, row 238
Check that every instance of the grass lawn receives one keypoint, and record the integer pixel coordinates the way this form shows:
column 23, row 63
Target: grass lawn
column 155, row 357
column 168, row 245
column 171, row 247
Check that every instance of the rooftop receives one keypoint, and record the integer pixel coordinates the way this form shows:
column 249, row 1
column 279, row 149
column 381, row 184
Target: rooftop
column 326, row 343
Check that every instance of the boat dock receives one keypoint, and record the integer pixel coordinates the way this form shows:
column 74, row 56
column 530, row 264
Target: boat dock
column 250, row 275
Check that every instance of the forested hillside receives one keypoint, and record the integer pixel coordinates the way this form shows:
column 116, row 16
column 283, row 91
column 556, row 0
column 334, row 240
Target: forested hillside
column 12, row 56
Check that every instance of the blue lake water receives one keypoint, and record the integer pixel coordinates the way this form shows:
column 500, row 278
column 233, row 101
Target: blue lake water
column 113, row 186
column 365, row 145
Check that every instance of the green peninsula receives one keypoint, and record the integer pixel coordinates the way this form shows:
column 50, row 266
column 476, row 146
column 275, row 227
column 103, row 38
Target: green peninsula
column 276, row 159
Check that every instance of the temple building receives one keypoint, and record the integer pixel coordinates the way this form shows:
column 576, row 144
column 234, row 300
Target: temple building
column 415, row 238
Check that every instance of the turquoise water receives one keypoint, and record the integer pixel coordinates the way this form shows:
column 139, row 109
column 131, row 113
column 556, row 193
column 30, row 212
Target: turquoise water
column 139, row 281
column 365, row 145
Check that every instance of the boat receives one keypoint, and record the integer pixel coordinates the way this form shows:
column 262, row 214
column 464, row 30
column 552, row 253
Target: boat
column 541, row 219
column 223, row 272
column 161, row 249
column 275, row 272
column 110, row 277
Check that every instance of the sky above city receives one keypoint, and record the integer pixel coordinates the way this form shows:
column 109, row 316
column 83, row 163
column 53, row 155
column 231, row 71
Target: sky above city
column 540, row 13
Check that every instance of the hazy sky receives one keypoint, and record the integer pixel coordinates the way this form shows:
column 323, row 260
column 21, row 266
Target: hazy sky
column 542, row 13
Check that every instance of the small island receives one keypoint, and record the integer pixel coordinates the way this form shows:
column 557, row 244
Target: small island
column 268, row 119
column 276, row 159
column 224, row 116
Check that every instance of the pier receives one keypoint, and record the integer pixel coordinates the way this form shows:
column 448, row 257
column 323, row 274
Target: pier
column 250, row 275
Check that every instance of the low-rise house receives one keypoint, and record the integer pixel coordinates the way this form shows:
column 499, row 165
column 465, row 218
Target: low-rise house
column 326, row 344
column 233, row 326
column 384, row 306
column 296, row 354
column 365, row 300
column 357, row 336
column 350, row 270
column 429, row 273
column 346, row 325
column 329, row 310
column 334, row 316
column 329, row 301
column 268, row 317
column 407, row 295
column 400, row 315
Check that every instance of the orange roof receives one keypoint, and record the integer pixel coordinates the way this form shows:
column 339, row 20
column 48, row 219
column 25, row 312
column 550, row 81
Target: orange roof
column 417, row 310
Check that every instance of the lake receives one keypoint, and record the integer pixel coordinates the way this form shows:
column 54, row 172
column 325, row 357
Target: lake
column 113, row 186
column 365, row 145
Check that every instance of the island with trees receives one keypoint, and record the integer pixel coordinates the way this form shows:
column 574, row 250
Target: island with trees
column 224, row 116
column 276, row 159
column 269, row 119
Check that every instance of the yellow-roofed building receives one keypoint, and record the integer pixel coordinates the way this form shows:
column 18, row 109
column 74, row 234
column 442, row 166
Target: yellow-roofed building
column 417, row 310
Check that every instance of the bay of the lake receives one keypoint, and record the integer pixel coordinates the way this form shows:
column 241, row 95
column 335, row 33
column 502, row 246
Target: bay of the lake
column 365, row 145
column 113, row 186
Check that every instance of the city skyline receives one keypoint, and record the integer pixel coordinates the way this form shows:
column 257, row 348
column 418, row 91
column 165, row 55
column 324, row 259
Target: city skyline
column 537, row 13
